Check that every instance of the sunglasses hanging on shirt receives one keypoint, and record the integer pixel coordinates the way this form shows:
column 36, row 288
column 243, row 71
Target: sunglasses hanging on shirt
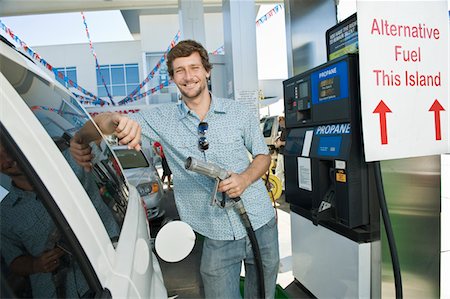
column 203, row 143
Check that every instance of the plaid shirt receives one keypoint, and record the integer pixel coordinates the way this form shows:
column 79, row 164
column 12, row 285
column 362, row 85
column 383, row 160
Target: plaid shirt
column 233, row 134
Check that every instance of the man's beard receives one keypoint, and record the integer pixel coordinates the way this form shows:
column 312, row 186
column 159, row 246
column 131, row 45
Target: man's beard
column 197, row 92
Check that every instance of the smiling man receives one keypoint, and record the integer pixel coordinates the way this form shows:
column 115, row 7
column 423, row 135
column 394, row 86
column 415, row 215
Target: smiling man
column 223, row 132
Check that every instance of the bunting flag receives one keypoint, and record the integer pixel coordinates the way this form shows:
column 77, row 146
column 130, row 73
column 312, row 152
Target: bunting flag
column 58, row 111
column 219, row 51
column 150, row 76
column 147, row 93
column 57, row 73
column 270, row 14
column 96, row 60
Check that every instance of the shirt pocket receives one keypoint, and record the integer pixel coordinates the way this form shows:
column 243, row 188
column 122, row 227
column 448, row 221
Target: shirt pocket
column 226, row 142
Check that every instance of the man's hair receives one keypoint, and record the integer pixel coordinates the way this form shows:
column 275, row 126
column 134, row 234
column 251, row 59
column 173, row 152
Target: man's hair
column 184, row 49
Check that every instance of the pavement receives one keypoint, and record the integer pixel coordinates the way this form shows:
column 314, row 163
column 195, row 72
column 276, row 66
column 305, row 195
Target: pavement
column 182, row 279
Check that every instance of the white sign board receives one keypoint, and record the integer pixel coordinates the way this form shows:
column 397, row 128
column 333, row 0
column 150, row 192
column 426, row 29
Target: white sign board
column 403, row 52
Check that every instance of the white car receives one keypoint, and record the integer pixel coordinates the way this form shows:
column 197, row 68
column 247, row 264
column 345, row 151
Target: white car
column 96, row 218
column 271, row 130
column 142, row 174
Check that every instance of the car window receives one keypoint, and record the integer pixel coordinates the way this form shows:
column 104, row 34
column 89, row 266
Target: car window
column 268, row 124
column 39, row 258
column 131, row 158
column 61, row 115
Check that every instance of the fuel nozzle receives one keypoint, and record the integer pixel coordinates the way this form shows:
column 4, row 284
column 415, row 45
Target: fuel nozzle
column 206, row 168
column 209, row 170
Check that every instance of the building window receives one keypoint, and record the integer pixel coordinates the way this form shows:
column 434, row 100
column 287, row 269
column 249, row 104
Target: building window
column 121, row 79
column 70, row 72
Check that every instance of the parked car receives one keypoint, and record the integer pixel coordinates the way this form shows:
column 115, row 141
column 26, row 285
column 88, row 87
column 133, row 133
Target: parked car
column 142, row 174
column 97, row 218
column 271, row 130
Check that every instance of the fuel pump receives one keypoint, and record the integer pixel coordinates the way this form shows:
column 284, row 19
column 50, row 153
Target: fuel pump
column 330, row 188
column 327, row 179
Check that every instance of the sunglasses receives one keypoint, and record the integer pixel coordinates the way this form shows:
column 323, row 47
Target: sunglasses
column 203, row 143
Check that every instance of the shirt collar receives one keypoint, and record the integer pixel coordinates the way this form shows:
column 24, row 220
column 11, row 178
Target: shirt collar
column 216, row 107
column 18, row 194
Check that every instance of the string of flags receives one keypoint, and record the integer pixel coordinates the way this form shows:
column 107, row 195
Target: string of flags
column 269, row 14
column 264, row 18
column 150, row 76
column 90, row 98
column 96, row 60
column 48, row 66
column 219, row 51
column 143, row 95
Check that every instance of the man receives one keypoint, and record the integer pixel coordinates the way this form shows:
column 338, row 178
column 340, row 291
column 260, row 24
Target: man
column 167, row 173
column 223, row 132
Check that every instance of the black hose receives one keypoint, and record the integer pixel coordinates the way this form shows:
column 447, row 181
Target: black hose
column 389, row 232
column 254, row 242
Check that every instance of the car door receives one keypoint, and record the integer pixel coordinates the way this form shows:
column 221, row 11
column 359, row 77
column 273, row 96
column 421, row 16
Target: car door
column 98, row 214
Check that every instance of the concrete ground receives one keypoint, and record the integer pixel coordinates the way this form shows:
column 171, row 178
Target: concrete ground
column 182, row 279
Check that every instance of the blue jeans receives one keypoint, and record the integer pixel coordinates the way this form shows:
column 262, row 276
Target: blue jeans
column 221, row 264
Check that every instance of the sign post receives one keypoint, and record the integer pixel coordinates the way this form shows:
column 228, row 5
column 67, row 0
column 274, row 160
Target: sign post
column 404, row 78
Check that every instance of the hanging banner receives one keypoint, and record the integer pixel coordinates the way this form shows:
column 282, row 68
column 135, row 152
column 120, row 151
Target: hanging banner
column 96, row 60
column 48, row 66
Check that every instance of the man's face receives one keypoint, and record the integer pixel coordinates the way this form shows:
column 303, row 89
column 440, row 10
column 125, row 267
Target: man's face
column 8, row 166
column 190, row 76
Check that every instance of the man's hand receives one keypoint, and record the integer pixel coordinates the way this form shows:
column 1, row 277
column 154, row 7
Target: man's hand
column 48, row 261
column 279, row 143
column 127, row 131
column 234, row 185
column 81, row 152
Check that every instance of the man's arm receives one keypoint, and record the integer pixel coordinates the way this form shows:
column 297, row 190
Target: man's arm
column 127, row 131
column 236, row 184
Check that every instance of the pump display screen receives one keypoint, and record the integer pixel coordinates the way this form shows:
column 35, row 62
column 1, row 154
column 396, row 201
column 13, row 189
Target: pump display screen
column 303, row 90
column 342, row 38
column 329, row 88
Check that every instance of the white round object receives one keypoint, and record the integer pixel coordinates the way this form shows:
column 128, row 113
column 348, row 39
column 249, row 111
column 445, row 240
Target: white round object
column 174, row 241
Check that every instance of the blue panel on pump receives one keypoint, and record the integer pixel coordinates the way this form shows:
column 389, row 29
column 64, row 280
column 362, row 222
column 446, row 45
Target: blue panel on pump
column 330, row 83
column 329, row 146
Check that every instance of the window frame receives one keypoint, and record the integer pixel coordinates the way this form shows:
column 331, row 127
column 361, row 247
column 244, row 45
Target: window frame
column 65, row 70
column 114, row 87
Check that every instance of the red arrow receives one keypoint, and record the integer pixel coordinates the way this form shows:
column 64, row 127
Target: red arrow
column 437, row 108
column 382, row 109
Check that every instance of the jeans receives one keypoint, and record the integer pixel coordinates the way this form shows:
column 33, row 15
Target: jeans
column 221, row 264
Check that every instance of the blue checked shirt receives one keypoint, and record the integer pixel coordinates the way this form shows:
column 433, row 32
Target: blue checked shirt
column 26, row 226
column 233, row 133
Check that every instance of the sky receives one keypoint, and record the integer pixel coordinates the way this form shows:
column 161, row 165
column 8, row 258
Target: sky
column 68, row 28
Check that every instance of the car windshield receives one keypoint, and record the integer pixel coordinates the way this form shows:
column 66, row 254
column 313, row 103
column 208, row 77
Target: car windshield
column 62, row 115
column 131, row 158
